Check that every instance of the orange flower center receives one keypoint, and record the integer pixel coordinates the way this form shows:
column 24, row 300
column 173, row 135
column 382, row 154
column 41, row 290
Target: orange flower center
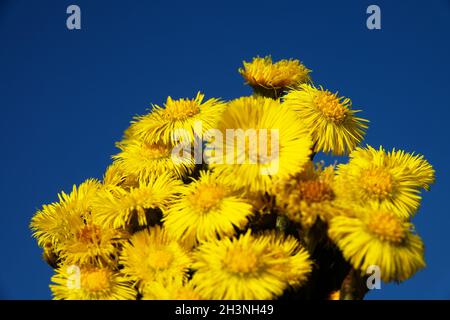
column 156, row 150
column 241, row 260
column 331, row 106
column 377, row 182
column 315, row 191
column 96, row 280
column 89, row 234
column 160, row 259
column 208, row 197
column 387, row 227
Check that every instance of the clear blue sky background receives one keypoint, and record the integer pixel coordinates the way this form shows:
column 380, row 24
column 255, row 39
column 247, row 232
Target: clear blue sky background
column 66, row 96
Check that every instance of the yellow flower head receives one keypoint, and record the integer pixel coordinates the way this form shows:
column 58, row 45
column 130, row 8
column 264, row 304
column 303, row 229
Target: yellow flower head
column 307, row 195
column 115, row 177
column 142, row 159
column 90, row 243
column 118, row 208
column 296, row 264
column 66, row 228
column 51, row 224
column 90, row 283
column 80, row 199
column 329, row 118
column 171, row 290
column 392, row 179
column 379, row 238
column 263, row 74
column 262, row 141
column 206, row 208
column 152, row 256
column 244, row 268
column 179, row 120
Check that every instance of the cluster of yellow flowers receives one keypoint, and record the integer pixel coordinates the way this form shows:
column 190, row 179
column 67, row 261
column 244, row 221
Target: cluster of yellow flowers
column 163, row 227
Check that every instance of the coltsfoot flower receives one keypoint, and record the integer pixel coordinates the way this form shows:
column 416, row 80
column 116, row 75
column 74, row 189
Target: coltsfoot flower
column 329, row 118
column 308, row 195
column 118, row 207
column 171, row 290
column 270, row 142
column 153, row 256
column 90, row 283
column 142, row 159
column 272, row 78
column 51, row 224
column 392, row 180
column 178, row 120
column 379, row 238
column 207, row 207
column 247, row 267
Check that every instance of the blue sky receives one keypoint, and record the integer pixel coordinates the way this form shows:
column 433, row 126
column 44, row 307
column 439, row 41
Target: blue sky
column 66, row 96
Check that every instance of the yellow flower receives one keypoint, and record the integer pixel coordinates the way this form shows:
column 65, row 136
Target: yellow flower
column 142, row 159
column 115, row 177
column 178, row 121
column 152, row 256
column 296, row 265
column 307, row 195
column 264, row 75
column 417, row 166
column 80, row 199
column 328, row 117
column 171, row 290
column 89, row 243
column 90, row 283
column 51, row 224
column 207, row 207
column 392, row 180
column 66, row 228
column 267, row 141
column 120, row 208
column 379, row 238
column 244, row 268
